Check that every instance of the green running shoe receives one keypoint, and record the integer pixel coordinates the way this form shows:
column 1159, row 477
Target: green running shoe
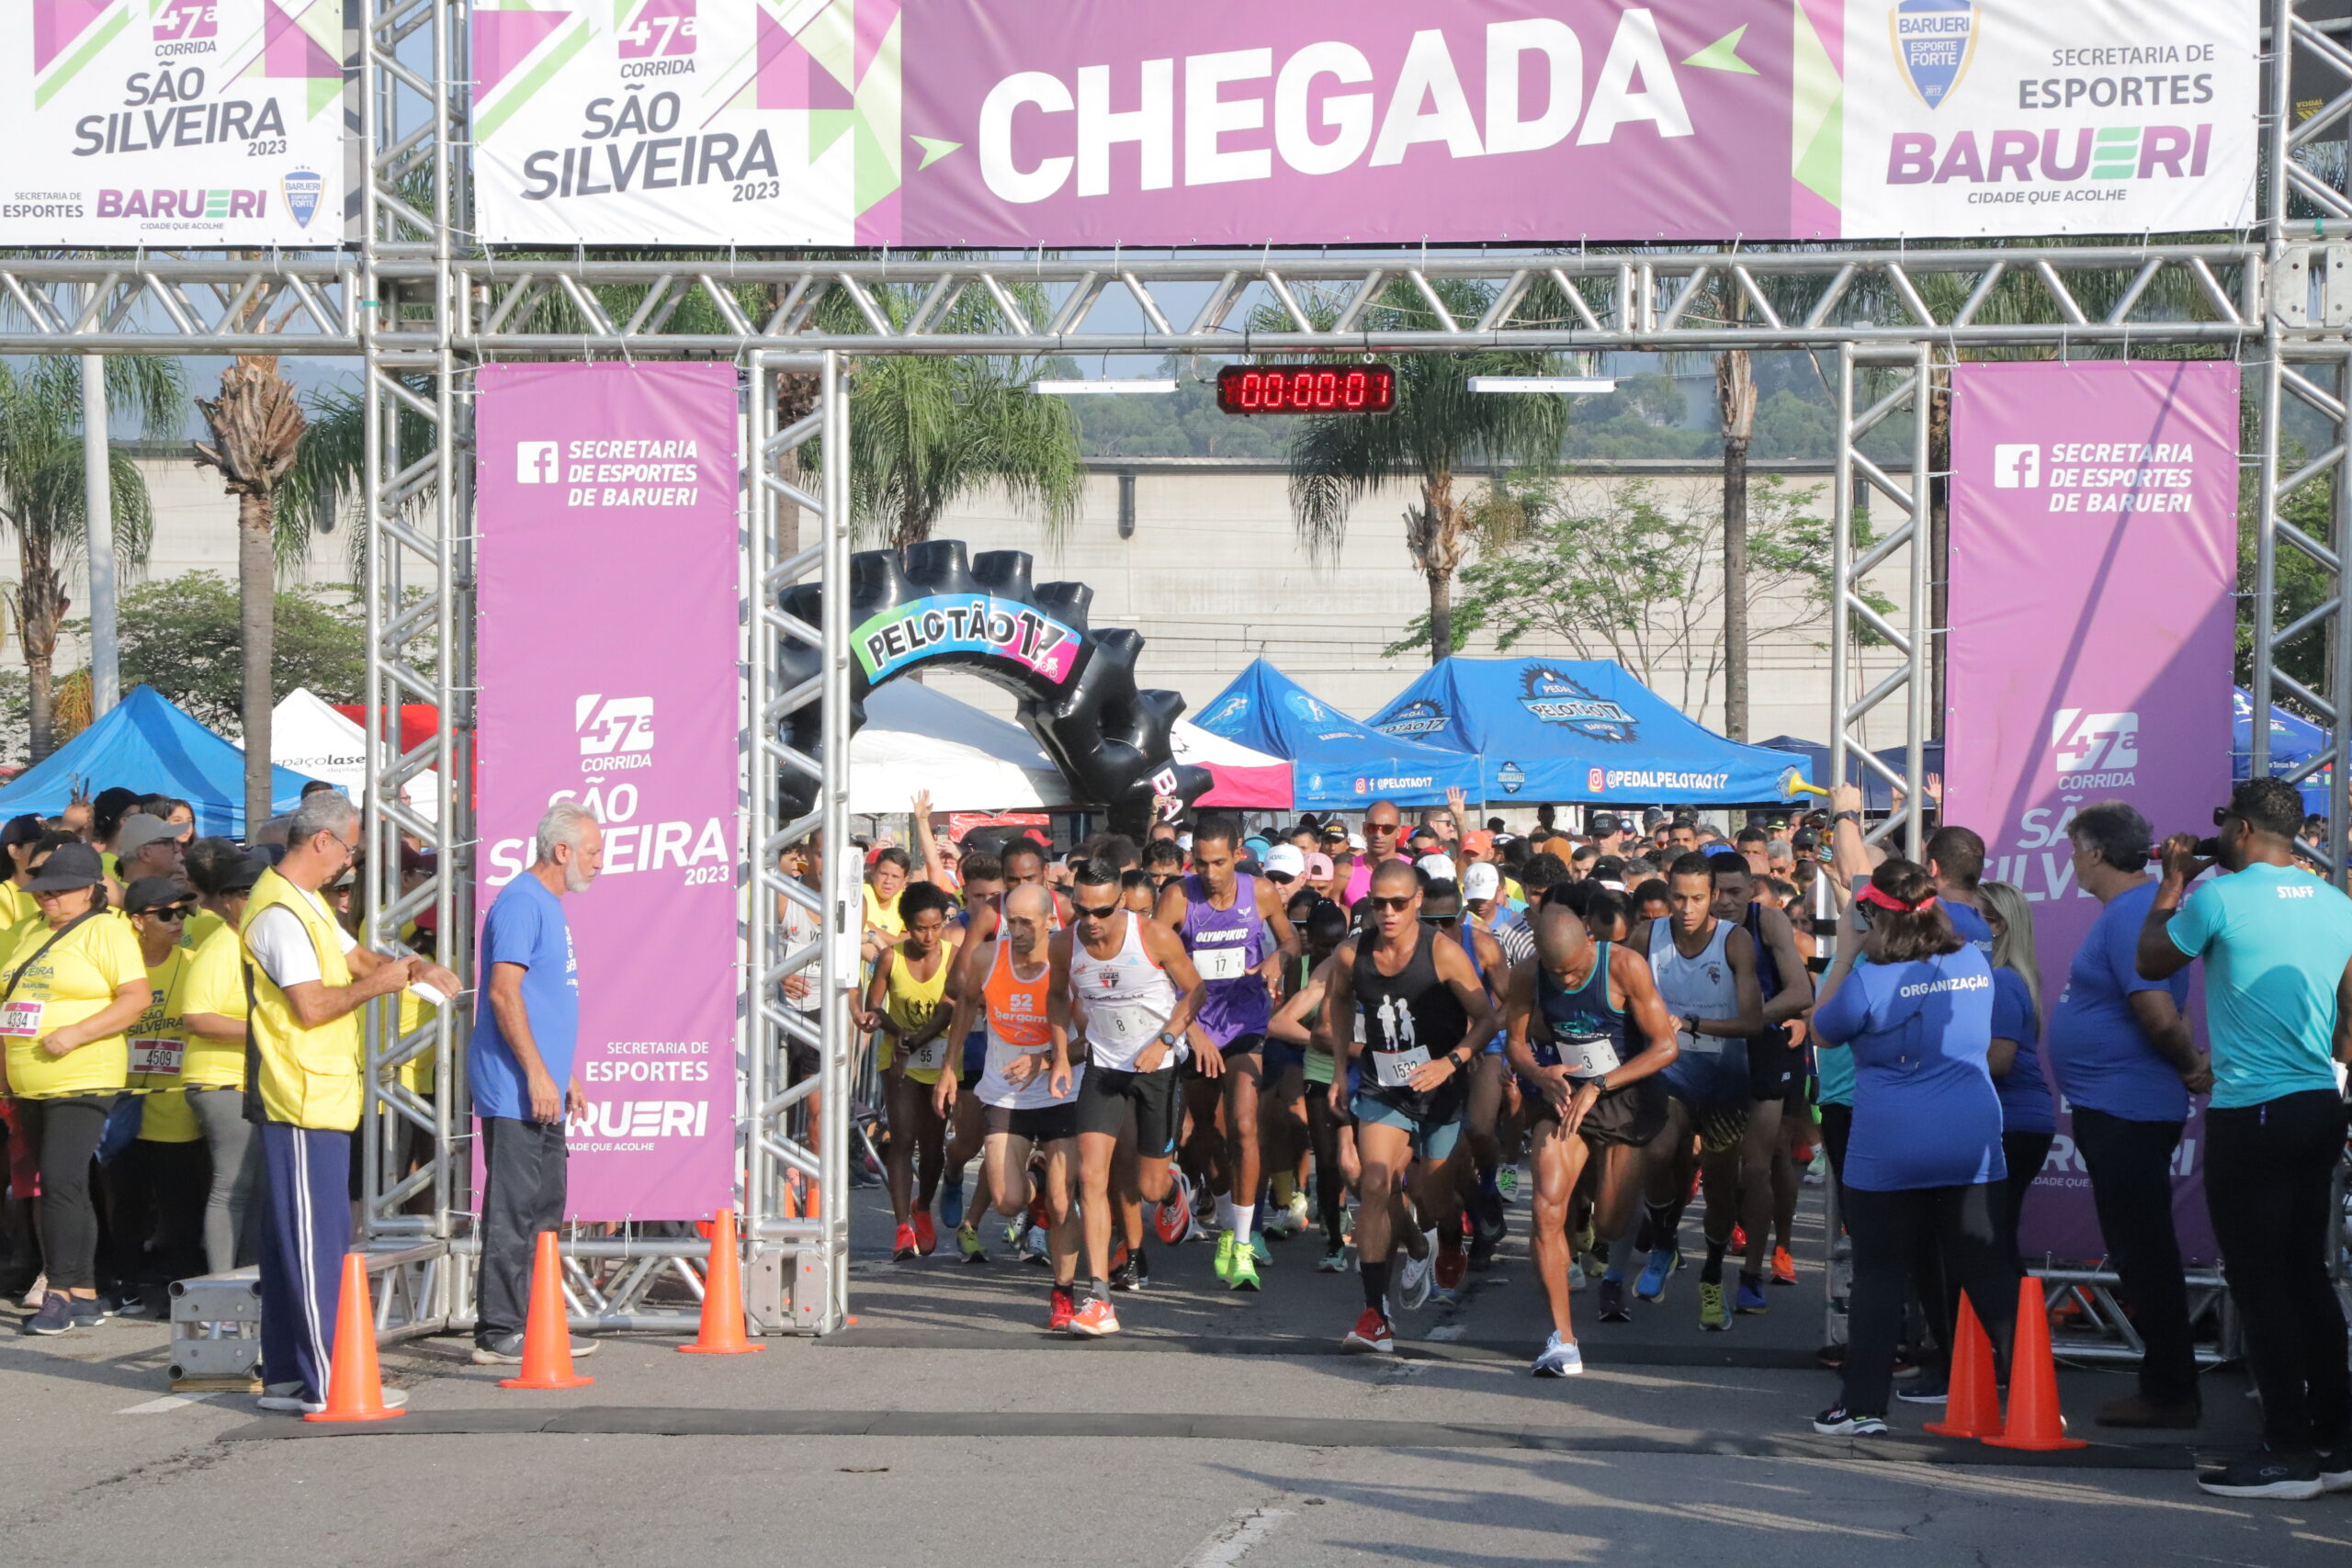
column 1711, row 1312
column 1224, row 1250
column 1243, row 1276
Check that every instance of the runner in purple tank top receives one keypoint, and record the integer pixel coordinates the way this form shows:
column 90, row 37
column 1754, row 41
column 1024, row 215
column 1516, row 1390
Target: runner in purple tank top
column 1237, row 932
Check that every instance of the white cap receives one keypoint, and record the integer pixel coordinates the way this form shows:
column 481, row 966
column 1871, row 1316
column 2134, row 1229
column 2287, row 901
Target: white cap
column 1481, row 880
column 1355, row 843
column 1289, row 859
column 1184, row 841
column 1435, row 867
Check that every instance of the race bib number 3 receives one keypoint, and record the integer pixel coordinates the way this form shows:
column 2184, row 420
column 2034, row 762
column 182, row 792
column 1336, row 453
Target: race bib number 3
column 21, row 1020
column 1589, row 1057
column 157, row 1057
column 1221, row 963
column 1395, row 1070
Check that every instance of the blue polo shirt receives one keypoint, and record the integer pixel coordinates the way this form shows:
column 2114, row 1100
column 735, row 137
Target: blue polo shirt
column 527, row 927
column 2025, row 1093
column 1925, row 1111
column 2099, row 1055
column 2275, row 940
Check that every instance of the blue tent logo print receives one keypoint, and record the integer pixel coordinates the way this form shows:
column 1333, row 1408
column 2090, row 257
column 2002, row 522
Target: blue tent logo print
column 1419, row 717
column 1557, row 698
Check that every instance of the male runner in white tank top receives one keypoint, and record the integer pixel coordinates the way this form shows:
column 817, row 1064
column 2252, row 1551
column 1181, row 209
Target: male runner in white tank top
column 1134, row 989
column 1705, row 969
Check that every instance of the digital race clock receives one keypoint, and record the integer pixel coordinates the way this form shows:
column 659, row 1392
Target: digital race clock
column 1307, row 388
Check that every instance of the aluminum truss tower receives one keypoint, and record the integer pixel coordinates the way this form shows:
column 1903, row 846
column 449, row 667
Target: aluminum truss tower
column 420, row 303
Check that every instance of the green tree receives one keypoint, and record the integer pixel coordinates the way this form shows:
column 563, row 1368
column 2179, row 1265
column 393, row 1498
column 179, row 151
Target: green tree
column 184, row 637
column 1440, row 428
column 42, row 500
column 1622, row 572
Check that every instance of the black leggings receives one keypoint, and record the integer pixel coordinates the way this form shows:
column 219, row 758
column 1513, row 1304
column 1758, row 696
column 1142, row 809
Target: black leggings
column 1967, row 1228
column 1324, row 1128
column 2269, row 1170
column 64, row 1134
column 2023, row 1153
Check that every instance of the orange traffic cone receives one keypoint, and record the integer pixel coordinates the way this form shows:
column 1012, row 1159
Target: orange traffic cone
column 355, row 1388
column 791, row 1196
column 547, row 1333
column 723, row 1299
column 2034, row 1421
column 1973, row 1409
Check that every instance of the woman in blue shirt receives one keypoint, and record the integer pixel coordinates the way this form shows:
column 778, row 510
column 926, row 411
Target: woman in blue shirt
column 1913, row 1005
column 2028, row 1117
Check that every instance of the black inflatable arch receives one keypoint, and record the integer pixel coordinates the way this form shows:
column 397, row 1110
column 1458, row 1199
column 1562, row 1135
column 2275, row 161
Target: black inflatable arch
column 1076, row 683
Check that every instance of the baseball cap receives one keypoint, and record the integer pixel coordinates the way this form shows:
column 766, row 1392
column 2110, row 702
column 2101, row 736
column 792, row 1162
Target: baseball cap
column 1481, row 880
column 152, row 893
column 140, row 831
column 1805, row 838
column 1319, row 866
column 71, row 866
column 1478, row 841
column 1256, row 845
column 241, row 877
column 1335, row 829
column 1355, row 843
column 1607, row 868
column 1600, row 824
column 1284, row 859
column 1435, row 867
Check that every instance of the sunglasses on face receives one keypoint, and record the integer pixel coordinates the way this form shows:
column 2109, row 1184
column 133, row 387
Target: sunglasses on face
column 1092, row 913
column 168, row 912
column 1396, row 905
column 1280, row 878
column 1383, row 826
column 1445, row 921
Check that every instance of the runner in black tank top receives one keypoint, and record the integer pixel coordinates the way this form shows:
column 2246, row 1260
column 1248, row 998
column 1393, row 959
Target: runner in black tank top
column 1426, row 1016
column 1588, row 1034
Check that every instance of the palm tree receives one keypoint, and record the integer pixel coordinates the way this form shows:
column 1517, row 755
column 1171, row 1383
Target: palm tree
column 1440, row 426
column 258, row 425
column 42, row 497
column 1736, row 400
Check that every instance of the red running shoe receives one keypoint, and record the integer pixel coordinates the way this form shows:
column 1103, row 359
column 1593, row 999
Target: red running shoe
column 1370, row 1332
column 926, row 1233
column 1064, row 1312
column 1172, row 1217
column 903, row 1247
column 1739, row 1240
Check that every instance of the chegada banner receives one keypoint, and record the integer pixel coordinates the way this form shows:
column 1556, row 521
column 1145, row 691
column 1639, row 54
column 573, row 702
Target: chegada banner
column 1131, row 122
column 173, row 123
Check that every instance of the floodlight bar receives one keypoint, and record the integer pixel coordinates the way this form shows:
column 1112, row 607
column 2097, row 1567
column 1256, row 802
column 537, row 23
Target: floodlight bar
column 1573, row 385
column 1088, row 389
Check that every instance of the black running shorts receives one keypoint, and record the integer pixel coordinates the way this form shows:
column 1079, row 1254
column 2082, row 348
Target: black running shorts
column 1039, row 1124
column 1633, row 1115
column 1104, row 1098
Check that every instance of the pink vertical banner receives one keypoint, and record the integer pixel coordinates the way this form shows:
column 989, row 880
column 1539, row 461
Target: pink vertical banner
column 2094, row 557
column 606, row 630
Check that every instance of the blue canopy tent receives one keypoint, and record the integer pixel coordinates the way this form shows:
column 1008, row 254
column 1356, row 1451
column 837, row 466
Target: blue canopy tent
column 1581, row 730
column 1877, row 793
column 2294, row 741
column 1335, row 760
column 148, row 745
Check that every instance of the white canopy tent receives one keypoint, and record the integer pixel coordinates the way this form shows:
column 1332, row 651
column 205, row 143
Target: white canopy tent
column 309, row 737
column 918, row 739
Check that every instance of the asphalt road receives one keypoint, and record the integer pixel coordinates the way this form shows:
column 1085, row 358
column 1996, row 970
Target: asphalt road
column 947, row 1428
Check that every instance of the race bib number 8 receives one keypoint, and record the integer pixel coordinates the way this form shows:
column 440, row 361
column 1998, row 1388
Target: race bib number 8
column 1221, row 963
column 1123, row 1026
column 21, row 1020
column 157, row 1057
column 1395, row 1070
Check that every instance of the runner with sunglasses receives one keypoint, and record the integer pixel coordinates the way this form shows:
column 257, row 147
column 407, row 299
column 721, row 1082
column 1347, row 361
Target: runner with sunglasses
column 1127, row 980
column 1426, row 1018
column 1237, row 935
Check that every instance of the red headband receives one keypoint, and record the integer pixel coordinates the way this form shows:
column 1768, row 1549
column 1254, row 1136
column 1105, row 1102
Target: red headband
column 1873, row 894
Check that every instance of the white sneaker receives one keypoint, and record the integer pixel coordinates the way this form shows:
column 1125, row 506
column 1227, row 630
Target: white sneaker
column 294, row 1404
column 32, row 1297
column 1576, row 1280
column 1417, row 1275
column 1559, row 1359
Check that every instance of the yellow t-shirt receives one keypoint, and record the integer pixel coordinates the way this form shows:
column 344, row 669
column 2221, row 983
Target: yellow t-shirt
column 158, row 1051
column 15, row 904
column 214, row 982
column 75, row 979
column 199, row 927
column 416, row 1073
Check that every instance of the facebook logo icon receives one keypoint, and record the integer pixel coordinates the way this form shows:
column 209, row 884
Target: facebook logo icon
column 535, row 462
column 2016, row 467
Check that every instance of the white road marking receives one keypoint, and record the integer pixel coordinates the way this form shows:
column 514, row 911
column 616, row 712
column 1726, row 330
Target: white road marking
column 169, row 1402
column 1238, row 1536
column 1449, row 1331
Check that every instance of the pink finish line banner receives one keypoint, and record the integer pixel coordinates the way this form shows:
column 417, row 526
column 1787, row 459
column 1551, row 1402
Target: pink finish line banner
column 607, row 617
column 2094, row 557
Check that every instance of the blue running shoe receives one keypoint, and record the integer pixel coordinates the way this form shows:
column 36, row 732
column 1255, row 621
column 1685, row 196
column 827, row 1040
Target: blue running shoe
column 951, row 1205
column 1749, row 1298
column 1651, row 1286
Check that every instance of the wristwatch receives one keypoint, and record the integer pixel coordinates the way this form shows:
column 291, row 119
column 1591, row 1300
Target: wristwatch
column 1853, row 816
column 1166, row 1039
column 1600, row 1082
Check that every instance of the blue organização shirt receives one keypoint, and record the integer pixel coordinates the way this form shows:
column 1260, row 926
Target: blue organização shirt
column 2097, row 1050
column 2275, row 940
column 2025, row 1093
column 1925, row 1111
column 1835, row 1069
column 525, row 927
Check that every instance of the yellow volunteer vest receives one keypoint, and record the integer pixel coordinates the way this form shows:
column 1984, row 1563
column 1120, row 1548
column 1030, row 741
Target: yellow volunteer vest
column 214, row 982
column 309, row 1077
column 158, row 1047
